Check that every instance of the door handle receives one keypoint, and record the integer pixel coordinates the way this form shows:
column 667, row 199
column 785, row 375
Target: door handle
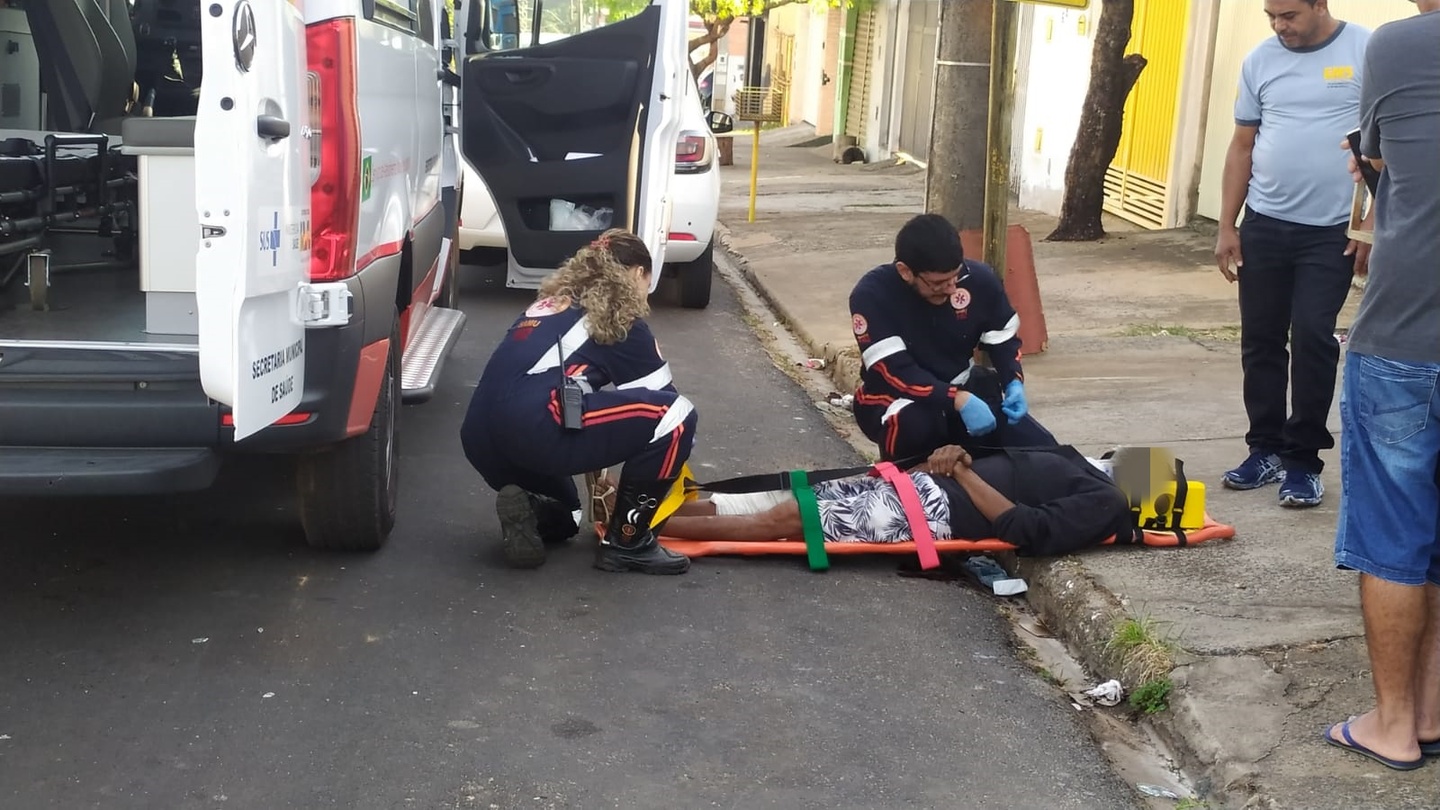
column 272, row 128
column 528, row 75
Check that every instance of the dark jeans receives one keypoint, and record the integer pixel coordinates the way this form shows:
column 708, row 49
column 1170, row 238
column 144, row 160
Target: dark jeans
column 1293, row 284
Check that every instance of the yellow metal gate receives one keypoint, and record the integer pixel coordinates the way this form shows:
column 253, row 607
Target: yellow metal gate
column 1137, row 185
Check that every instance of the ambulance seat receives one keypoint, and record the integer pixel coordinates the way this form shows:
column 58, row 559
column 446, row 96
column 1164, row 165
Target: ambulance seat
column 87, row 57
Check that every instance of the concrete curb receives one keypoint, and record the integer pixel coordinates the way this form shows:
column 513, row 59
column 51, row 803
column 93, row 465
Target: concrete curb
column 1077, row 610
column 842, row 363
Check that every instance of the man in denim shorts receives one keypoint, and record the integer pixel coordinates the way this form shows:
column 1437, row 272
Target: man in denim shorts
column 1389, row 525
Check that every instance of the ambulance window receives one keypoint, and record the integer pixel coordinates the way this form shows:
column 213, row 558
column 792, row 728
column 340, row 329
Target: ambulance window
column 426, row 13
column 399, row 14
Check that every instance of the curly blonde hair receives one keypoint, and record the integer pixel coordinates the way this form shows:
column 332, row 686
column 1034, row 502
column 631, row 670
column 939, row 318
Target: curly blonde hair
column 598, row 278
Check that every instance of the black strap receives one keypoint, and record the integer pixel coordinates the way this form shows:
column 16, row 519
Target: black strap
column 780, row 481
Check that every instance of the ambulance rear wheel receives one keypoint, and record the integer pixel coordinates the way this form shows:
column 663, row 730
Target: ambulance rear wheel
column 348, row 493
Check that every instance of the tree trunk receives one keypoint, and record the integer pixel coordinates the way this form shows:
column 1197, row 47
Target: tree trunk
column 959, row 159
column 1112, row 76
column 714, row 31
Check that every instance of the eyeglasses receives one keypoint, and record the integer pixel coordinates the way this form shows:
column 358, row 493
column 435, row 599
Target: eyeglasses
column 942, row 284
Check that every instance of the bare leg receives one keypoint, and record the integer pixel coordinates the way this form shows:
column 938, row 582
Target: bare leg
column 1395, row 621
column 700, row 508
column 1427, row 679
column 779, row 523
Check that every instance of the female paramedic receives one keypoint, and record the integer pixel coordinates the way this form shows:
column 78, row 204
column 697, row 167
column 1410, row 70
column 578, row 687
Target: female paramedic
column 539, row 416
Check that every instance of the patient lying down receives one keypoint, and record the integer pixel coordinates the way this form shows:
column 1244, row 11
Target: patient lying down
column 1041, row 502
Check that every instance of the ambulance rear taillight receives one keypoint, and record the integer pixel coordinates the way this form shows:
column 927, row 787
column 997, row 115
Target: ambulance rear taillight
column 335, row 149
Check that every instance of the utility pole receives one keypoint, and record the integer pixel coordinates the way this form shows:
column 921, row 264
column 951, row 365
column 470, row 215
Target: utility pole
column 1004, row 33
column 955, row 179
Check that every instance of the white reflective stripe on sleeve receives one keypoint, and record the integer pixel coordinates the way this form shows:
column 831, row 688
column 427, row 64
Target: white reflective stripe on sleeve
column 964, row 376
column 570, row 342
column 1004, row 333
column 655, row 380
column 895, row 407
column 882, row 350
column 674, row 415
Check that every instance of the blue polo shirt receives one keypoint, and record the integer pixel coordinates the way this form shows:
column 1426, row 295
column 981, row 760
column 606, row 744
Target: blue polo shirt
column 1303, row 100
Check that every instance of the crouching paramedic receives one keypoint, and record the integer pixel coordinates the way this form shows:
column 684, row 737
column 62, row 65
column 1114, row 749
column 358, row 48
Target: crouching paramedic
column 1044, row 502
column 539, row 416
column 918, row 323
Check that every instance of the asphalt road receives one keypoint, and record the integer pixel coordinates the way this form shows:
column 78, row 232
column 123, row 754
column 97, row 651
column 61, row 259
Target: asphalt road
column 192, row 653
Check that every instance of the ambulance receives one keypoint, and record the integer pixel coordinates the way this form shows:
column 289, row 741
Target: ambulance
column 228, row 226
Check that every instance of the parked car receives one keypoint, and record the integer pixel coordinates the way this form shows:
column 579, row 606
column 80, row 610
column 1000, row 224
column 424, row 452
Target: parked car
column 694, row 190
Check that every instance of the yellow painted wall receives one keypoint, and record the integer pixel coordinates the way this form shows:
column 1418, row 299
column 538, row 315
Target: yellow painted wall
column 1242, row 26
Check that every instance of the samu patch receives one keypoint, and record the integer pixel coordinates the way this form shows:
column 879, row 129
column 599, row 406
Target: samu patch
column 547, row 306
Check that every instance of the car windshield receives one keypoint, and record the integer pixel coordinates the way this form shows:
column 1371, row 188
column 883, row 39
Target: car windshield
column 558, row 19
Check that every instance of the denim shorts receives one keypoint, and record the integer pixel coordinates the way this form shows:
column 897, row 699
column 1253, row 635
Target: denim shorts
column 1389, row 524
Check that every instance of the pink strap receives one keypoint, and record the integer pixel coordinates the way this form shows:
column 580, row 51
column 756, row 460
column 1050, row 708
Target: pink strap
column 914, row 513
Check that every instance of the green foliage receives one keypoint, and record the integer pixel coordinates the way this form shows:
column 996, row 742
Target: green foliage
column 722, row 12
column 1153, row 697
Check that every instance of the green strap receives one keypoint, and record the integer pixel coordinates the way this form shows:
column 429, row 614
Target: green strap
column 810, row 520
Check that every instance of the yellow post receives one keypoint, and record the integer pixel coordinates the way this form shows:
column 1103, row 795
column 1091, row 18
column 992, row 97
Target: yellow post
column 754, row 168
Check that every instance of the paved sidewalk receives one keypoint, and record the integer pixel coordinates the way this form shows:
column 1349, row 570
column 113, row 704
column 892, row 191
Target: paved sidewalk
column 1143, row 350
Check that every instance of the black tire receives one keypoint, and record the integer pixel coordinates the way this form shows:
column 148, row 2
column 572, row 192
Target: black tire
column 696, row 279
column 348, row 493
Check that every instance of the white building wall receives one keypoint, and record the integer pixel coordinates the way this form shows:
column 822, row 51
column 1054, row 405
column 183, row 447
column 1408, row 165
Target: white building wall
column 1057, row 77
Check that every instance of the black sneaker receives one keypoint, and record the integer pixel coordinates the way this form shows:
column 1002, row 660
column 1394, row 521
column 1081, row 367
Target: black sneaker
column 519, row 531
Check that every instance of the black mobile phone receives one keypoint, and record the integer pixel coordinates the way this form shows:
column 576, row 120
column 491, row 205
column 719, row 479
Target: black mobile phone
column 1372, row 177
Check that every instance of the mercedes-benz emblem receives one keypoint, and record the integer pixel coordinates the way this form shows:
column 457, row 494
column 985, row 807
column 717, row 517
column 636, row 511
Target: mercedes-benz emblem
column 242, row 34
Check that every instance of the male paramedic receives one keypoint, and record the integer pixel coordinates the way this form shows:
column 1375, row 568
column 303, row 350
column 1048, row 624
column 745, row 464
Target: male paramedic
column 1389, row 523
column 1045, row 502
column 1299, row 93
column 918, row 322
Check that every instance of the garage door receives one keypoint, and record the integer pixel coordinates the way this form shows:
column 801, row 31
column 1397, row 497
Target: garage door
column 918, row 97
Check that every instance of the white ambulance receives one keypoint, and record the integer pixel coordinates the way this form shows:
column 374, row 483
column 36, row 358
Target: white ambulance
column 225, row 227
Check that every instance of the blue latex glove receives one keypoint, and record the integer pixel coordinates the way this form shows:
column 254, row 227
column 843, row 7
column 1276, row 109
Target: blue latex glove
column 977, row 416
column 1014, row 406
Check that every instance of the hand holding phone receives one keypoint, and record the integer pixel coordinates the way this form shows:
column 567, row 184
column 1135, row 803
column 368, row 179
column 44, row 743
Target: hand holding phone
column 1367, row 171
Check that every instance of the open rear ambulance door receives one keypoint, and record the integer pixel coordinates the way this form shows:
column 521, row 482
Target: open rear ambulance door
column 252, row 192
column 587, row 122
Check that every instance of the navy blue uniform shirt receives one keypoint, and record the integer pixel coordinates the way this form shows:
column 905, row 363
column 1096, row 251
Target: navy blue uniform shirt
column 916, row 350
column 525, row 367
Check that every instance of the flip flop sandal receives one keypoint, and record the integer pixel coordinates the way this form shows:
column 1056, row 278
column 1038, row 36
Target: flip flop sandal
column 1430, row 749
column 599, row 511
column 1350, row 745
